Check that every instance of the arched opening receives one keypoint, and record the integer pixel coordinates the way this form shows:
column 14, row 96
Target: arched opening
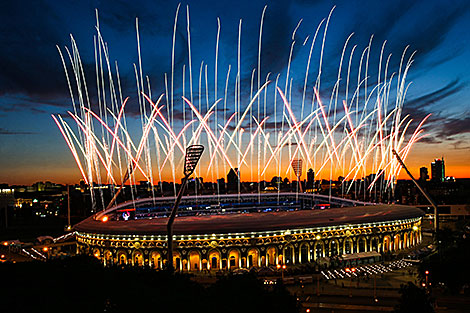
column 108, row 258
column 271, row 253
column 253, row 257
column 205, row 265
column 185, row 265
column 304, row 257
column 97, row 254
column 405, row 241
column 194, row 261
column 122, row 258
column 415, row 238
column 289, row 255
column 396, row 242
column 177, row 264
column 156, row 260
column 361, row 245
column 386, row 244
column 233, row 259
column 138, row 258
column 214, row 260
column 348, row 246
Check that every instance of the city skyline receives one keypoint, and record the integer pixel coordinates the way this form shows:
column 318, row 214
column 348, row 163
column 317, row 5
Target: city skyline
column 33, row 150
column 425, row 174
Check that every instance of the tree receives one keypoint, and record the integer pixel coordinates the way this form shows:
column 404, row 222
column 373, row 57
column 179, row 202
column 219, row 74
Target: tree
column 413, row 299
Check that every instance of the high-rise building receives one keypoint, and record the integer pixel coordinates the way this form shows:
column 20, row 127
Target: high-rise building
column 310, row 178
column 233, row 178
column 423, row 173
column 438, row 172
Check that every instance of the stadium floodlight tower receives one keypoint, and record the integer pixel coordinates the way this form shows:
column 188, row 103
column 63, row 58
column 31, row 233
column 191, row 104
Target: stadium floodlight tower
column 425, row 194
column 297, row 167
column 192, row 157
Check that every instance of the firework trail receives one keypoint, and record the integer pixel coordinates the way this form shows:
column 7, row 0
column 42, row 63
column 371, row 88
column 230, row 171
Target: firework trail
column 258, row 136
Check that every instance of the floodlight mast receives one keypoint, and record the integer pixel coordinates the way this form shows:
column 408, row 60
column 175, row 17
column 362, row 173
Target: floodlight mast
column 433, row 204
column 125, row 179
column 192, row 157
column 297, row 167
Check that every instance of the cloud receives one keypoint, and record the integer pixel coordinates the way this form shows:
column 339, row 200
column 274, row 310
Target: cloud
column 154, row 18
column 430, row 140
column 31, row 66
column 461, row 145
column 277, row 31
column 4, row 131
column 439, row 125
column 454, row 126
column 452, row 88
column 28, row 58
column 422, row 25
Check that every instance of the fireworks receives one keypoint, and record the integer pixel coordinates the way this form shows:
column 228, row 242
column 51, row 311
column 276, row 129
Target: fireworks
column 349, row 130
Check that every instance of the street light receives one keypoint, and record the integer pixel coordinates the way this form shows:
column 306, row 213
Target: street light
column 192, row 157
column 282, row 268
column 350, row 270
column 69, row 225
column 375, row 287
column 297, row 167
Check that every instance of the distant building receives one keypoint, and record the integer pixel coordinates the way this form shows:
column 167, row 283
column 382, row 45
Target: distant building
column 39, row 186
column 196, row 183
column 423, row 174
column 83, row 185
column 7, row 200
column 369, row 179
column 438, row 172
column 310, row 178
column 233, row 179
column 144, row 186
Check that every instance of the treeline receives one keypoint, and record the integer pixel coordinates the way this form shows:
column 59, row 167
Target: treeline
column 81, row 284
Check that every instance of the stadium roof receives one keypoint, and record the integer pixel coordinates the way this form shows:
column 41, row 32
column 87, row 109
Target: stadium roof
column 253, row 222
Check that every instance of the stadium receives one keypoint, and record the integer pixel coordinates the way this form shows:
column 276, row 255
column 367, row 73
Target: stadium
column 227, row 232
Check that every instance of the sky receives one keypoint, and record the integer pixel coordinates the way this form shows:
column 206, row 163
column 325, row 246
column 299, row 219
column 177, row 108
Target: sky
column 33, row 84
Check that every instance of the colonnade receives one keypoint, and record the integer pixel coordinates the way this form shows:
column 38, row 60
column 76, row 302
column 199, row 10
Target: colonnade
column 292, row 252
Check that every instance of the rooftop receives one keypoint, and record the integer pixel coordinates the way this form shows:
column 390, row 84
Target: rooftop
column 253, row 222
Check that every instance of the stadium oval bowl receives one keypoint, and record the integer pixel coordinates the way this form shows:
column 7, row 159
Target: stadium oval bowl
column 227, row 232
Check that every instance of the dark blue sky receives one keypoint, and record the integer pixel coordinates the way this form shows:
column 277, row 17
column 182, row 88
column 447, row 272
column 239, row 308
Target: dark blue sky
column 32, row 81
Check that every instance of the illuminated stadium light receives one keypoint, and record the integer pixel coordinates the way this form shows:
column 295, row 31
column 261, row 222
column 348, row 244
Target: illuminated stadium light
column 297, row 167
column 193, row 154
column 192, row 157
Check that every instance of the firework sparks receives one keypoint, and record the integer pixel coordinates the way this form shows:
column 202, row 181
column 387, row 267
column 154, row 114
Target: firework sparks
column 355, row 139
